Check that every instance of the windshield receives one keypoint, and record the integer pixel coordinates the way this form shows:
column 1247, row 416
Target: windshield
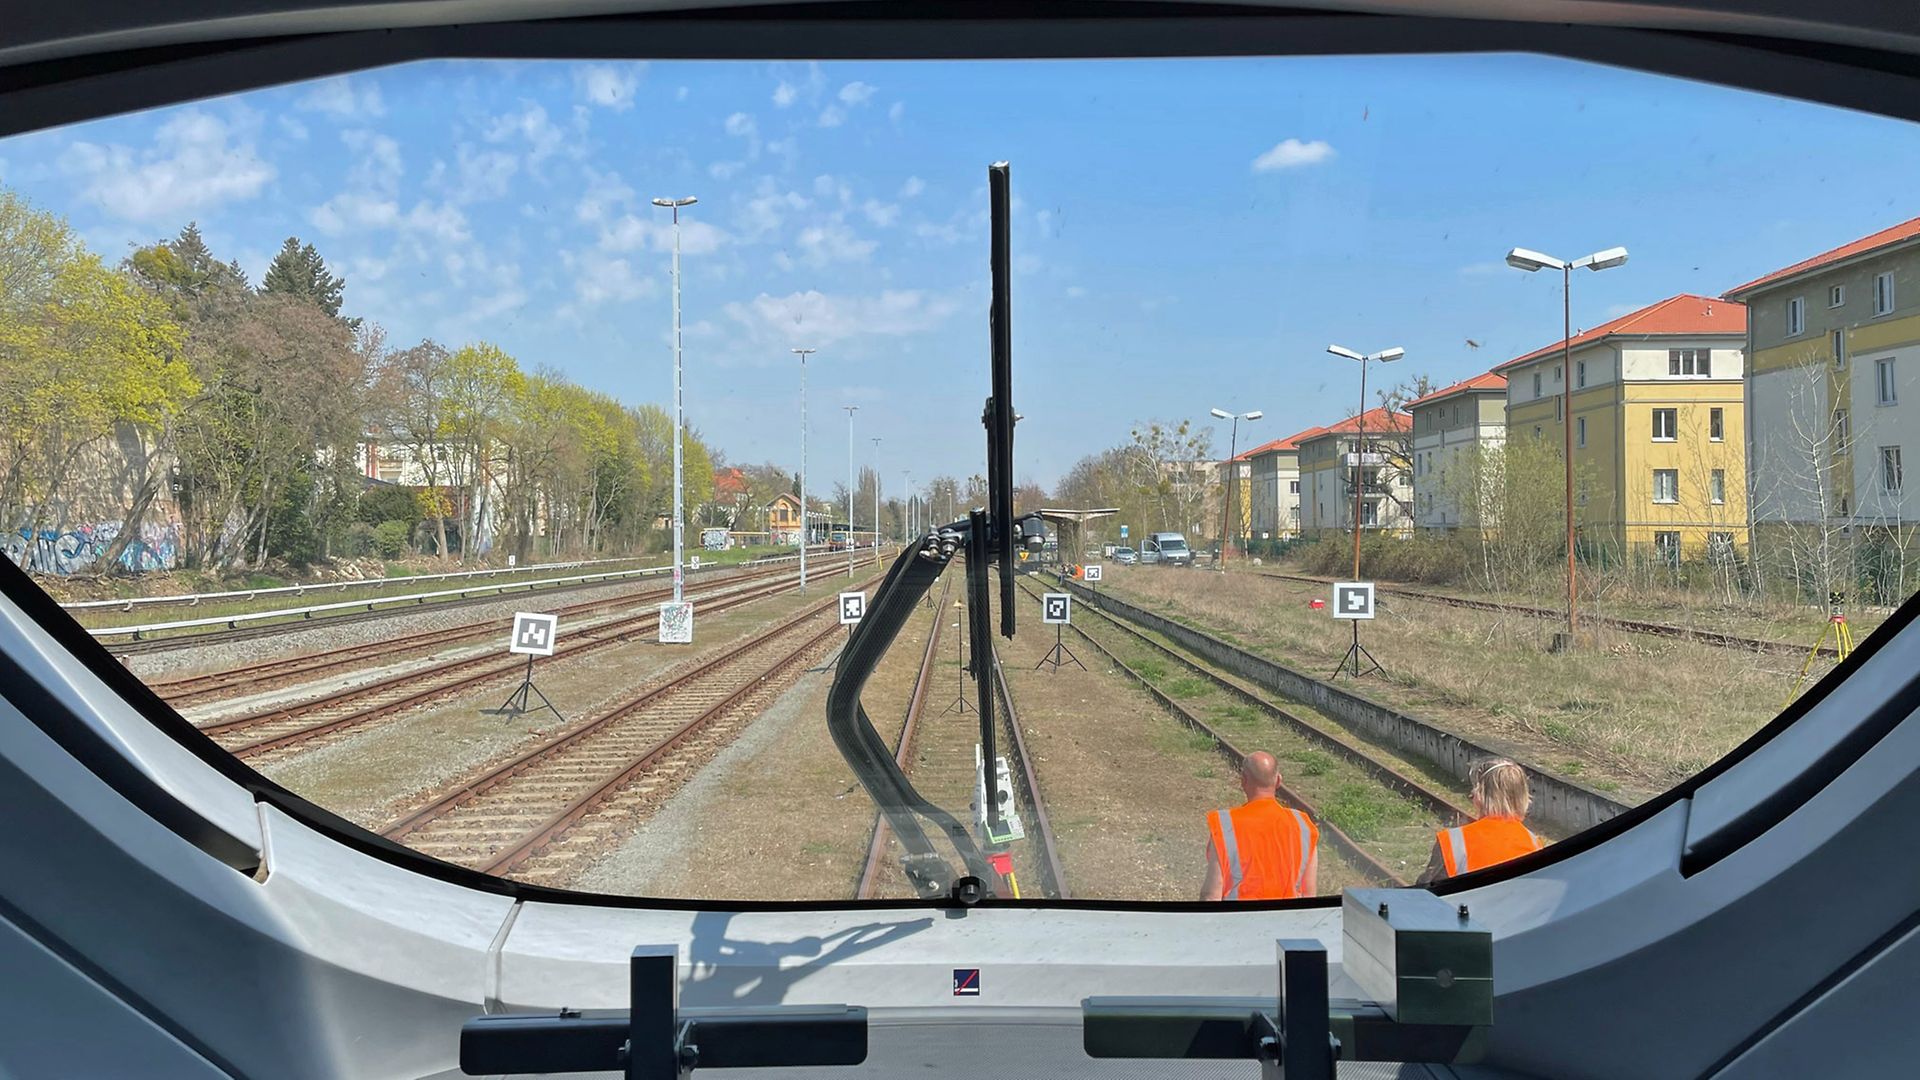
column 500, row 455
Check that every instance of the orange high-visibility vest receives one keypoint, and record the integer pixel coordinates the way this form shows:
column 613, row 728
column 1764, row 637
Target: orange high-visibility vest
column 1484, row 843
column 1263, row 849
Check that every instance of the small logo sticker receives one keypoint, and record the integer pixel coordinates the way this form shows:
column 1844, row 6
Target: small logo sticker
column 966, row 982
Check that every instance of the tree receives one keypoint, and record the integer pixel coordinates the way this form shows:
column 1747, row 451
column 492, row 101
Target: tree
column 1169, row 466
column 410, row 408
column 299, row 272
column 1799, row 485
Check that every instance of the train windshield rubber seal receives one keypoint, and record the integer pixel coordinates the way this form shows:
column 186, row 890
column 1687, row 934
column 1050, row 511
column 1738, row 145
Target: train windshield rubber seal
column 987, row 539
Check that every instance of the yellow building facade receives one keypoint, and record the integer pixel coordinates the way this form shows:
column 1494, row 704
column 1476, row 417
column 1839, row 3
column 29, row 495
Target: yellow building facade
column 1659, row 433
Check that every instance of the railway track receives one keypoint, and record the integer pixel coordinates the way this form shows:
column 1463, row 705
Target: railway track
column 259, row 631
column 951, row 784
column 1635, row 626
column 1444, row 810
column 345, row 710
column 193, row 689
column 614, row 764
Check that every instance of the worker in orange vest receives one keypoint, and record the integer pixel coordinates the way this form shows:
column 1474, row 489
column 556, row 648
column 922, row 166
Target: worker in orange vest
column 1498, row 831
column 1261, row 850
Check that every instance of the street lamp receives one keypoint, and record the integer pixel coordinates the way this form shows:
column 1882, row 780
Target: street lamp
column 1531, row 261
column 913, row 508
column 679, row 482
column 803, row 354
column 1233, row 471
column 876, row 500
column 851, row 409
column 1385, row 356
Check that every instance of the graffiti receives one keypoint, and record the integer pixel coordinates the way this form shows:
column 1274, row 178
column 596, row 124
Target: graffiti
column 79, row 550
column 676, row 623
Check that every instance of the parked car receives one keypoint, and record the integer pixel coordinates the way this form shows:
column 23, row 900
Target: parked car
column 1166, row 549
column 1125, row 556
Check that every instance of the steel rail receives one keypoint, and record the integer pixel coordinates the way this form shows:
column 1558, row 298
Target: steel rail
column 903, row 751
column 1050, row 854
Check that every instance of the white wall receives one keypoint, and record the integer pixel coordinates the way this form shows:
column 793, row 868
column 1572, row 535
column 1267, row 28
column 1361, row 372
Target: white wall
column 1876, row 425
column 1643, row 362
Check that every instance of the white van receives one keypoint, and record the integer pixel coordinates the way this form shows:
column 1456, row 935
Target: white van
column 1166, row 549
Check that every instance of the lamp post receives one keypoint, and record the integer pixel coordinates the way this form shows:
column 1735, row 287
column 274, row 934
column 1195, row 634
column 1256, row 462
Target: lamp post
column 803, row 354
column 1233, row 471
column 1531, row 261
column 913, row 508
column 876, row 500
column 679, row 482
column 851, row 409
column 1385, row 356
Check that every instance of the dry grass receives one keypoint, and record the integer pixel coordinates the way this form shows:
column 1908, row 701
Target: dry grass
column 1627, row 713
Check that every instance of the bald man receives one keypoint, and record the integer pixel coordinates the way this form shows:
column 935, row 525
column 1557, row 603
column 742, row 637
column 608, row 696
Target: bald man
column 1261, row 850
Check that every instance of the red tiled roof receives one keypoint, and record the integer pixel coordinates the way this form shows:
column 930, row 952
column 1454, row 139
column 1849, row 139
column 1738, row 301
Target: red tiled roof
column 1378, row 421
column 1486, row 381
column 1683, row 314
column 1291, row 442
column 729, row 482
column 1906, row 230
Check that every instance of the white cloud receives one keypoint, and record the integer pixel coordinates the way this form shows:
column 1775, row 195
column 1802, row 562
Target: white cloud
column 632, row 233
column 741, row 125
column 767, row 211
column 355, row 210
column 608, row 86
column 443, row 222
column 1076, row 291
column 605, row 193
column 832, row 116
column 832, row 242
column 601, row 278
column 785, row 94
column 197, row 160
column 898, row 110
column 857, row 93
column 377, row 166
column 681, row 94
column 947, row 233
column 291, row 127
column 912, row 188
column 345, row 98
column 826, row 319
column 1292, row 153
column 483, row 174
column 881, row 214
column 725, row 170
column 542, row 136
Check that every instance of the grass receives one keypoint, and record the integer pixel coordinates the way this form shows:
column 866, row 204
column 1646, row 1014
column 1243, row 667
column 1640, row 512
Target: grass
column 817, row 847
column 1637, row 712
column 1364, row 811
column 1312, row 762
column 1188, row 686
column 1151, row 670
column 1174, row 740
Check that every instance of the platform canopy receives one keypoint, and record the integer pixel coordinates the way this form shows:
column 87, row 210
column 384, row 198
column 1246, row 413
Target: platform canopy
column 1067, row 523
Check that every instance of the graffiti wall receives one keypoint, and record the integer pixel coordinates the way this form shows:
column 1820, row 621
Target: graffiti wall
column 78, row 550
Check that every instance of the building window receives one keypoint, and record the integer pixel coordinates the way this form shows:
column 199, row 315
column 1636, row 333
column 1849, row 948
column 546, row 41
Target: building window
column 1717, row 487
column 1293, row 487
column 1689, row 362
column 1845, row 508
column 1579, row 373
column 1580, row 431
column 1841, row 429
column 1556, row 375
column 1836, row 295
column 1890, row 474
column 1717, row 424
column 1536, row 384
column 1839, row 348
column 1666, row 424
column 1536, row 431
column 1883, row 368
column 1559, row 404
column 1666, row 485
column 1666, row 547
column 1796, row 316
column 1883, row 293
column 1369, row 513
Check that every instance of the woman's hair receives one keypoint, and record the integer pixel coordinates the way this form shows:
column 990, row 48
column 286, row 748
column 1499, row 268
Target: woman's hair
column 1500, row 787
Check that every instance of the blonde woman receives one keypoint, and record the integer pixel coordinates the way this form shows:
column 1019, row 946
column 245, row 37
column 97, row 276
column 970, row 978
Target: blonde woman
column 1498, row 831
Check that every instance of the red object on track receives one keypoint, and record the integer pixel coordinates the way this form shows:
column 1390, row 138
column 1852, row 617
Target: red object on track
column 1002, row 862
column 1316, row 603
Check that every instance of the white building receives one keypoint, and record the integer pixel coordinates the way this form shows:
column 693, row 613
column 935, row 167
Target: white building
column 1464, row 417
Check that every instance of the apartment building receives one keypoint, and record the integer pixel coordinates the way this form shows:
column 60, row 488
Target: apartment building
column 1273, row 486
column 1658, row 403
column 1465, row 418
column 1329, row 460
column 1834, row 345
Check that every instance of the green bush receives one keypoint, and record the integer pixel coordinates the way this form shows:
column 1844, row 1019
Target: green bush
column 357, row 540
column 378, row 505
column 390, row 538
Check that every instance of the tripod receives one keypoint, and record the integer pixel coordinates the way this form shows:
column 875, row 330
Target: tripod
column 960, row 703
column 518, row 701
column 1842, row 636
column 1354, row 653
column 1059, row 656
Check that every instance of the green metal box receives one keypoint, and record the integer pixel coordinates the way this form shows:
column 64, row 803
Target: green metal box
column 1418, row 957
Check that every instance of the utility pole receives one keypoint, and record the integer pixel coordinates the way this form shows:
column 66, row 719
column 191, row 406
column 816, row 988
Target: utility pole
column 679, row 480
column 1233, row 471
column 876, row 500
column 803, row 354
column 851, row 409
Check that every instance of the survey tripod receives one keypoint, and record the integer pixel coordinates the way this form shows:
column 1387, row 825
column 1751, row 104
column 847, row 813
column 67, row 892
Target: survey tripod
column 1835, row 630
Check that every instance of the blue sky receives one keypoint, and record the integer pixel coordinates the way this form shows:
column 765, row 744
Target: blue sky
column 1190, row 234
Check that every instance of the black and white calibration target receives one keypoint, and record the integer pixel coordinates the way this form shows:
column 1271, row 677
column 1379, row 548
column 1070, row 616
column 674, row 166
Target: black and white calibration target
column 1353, row 600
column 1092, row 574
column 1056, row 607
column 533, row 633
column 853, row 607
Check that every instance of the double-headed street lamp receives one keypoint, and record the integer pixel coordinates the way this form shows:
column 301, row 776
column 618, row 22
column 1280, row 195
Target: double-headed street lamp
column 1233, row 470
column 876, row 500
column 803, row 354
column 679, row 482
column 1530, row 261
column 1384, row 356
